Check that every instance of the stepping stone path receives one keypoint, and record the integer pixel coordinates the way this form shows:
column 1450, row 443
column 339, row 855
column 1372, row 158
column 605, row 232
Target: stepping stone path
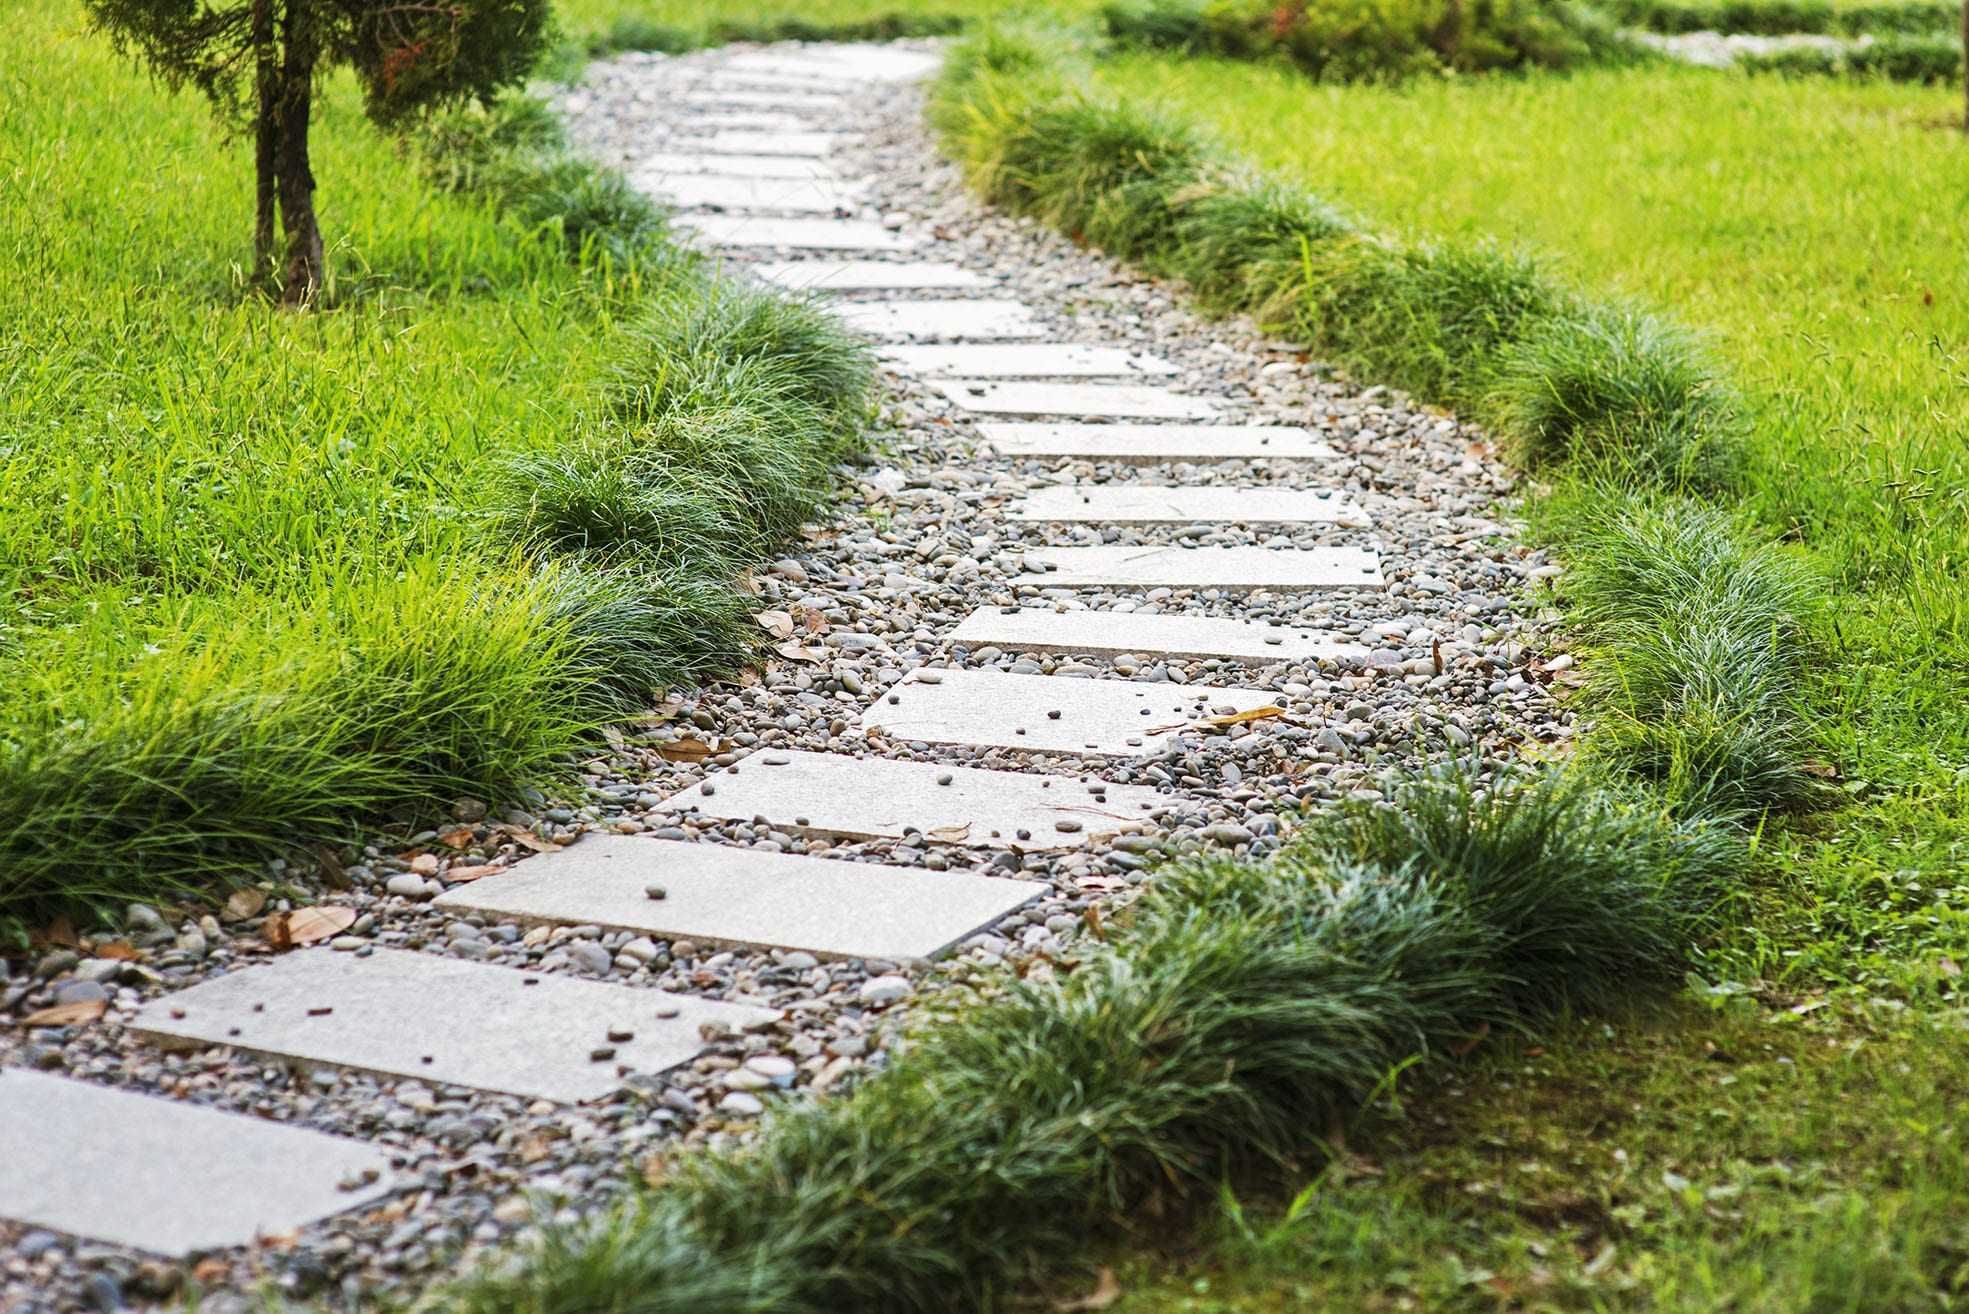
column 555, row 1037
column 1150, row 504
column 727, row 895
column 1049, row 713
column 165, row 1177
column 810, row 234
column 1112, row 633
column 1022, row 360
column 1150, row 444
column 903, row 320
column 1058, row 646
column 1119, row 400
column 883, row 798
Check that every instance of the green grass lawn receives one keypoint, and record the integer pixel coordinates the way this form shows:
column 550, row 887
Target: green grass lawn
column 1811, row 233
column 1740, row 1160
column 264, row 575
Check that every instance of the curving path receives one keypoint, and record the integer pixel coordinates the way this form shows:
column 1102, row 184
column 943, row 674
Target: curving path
column 1121, row 583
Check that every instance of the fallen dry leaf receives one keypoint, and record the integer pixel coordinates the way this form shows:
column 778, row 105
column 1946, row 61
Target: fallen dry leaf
column 776, row 623
column 242, row 904
column 67, row 1015
column 1107, row 1290
column 61, row 932
column 459, row 837
column 459, row 875
column 125, row 952
column 687, row 750
column 209, row 1271
column 1242, row 718
column 303, row 926
column 1462, row 1047
column 797, row 652
column 950, row 834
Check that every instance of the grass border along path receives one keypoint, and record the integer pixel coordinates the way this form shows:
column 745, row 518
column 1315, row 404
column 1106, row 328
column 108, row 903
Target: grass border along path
column 605, row 572
column 1238, row 1012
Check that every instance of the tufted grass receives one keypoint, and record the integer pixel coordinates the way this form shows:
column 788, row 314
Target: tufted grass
column 1240, row 1012
column 254, row 588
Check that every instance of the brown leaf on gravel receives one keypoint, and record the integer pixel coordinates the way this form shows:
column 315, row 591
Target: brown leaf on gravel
column 61, row 932
column 209, row 1271
column 1107, row 1290
column 1462, row 1047
column 798, row 652
column 776, row 623
column 121, row 951
column 686, row 750
column 460, row 837
column 303, row 926
column 242, row 904
column 459, row 875
column 949, row 834
column 67, row 1015
column 526, row 839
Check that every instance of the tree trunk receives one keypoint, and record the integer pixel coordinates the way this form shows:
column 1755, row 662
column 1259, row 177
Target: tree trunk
column 1965, row 66
column 293, row 178
column 264, row 153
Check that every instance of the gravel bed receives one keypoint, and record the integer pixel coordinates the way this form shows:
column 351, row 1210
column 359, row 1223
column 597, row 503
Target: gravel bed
column 920, row 542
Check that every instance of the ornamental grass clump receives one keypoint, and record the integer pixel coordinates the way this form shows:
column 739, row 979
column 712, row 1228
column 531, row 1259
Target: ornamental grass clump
column 1237, row 1014
column 1701, row 645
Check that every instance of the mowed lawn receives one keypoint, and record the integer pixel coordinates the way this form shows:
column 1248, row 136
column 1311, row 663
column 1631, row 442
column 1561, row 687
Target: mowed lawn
column 244, row 583
column 1812, row 232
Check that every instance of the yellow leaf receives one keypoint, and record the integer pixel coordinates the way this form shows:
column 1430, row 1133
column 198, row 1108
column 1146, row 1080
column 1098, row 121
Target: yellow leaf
column 67, row 1015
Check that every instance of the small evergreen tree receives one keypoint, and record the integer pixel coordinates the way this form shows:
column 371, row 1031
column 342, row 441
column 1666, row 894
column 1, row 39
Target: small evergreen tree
column 257, row 61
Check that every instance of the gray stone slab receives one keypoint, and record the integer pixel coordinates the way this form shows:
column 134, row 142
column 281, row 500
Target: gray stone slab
column 879, row 798
column 652, row 169
column 752, row 120
column 735, row 142
column 1120, row 400
column 412, row 1014
column 865, row 275
column 1161, row 504
column 861, row 62
column 755, row 97
column 732, row 895
column 1234, row 568
column 1048, row 713
column 167, row 1177
column 1026, row 359
column 806, row 234
column 1147, row 444
column 901, row 320
column 726, row 192
column 1096, row 633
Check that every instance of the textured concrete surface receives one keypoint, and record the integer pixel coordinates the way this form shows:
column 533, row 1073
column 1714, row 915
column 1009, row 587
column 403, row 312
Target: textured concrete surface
column 732, row 895
column 864, row 275
column 1048, row 713
column 443, row 1019
column 1112, row 633
column 1204, row 567
column 167, row 1177
column 1154, row 504
column 1120, row 400
column 900, row 320
column 1026, row 359
column 1150, row 443
column 873, row 798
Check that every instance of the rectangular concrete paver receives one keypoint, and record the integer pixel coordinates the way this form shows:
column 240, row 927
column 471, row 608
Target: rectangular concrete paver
column 1155, row 504
column 1120, row 400
column 1146, row 444
column 735, row 142
column 651, row 169
column 862, row 63
column 443, row 1019
column 727, row 192
column 167, row 1177
column 941, row 319
column 1235, row 568
column 1029, row 359
column 865, row 275
column 879, row 798
column 729, row 94
column 810, row 234
column 742, row 896
column 1048, row 713
column 1110, row 633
